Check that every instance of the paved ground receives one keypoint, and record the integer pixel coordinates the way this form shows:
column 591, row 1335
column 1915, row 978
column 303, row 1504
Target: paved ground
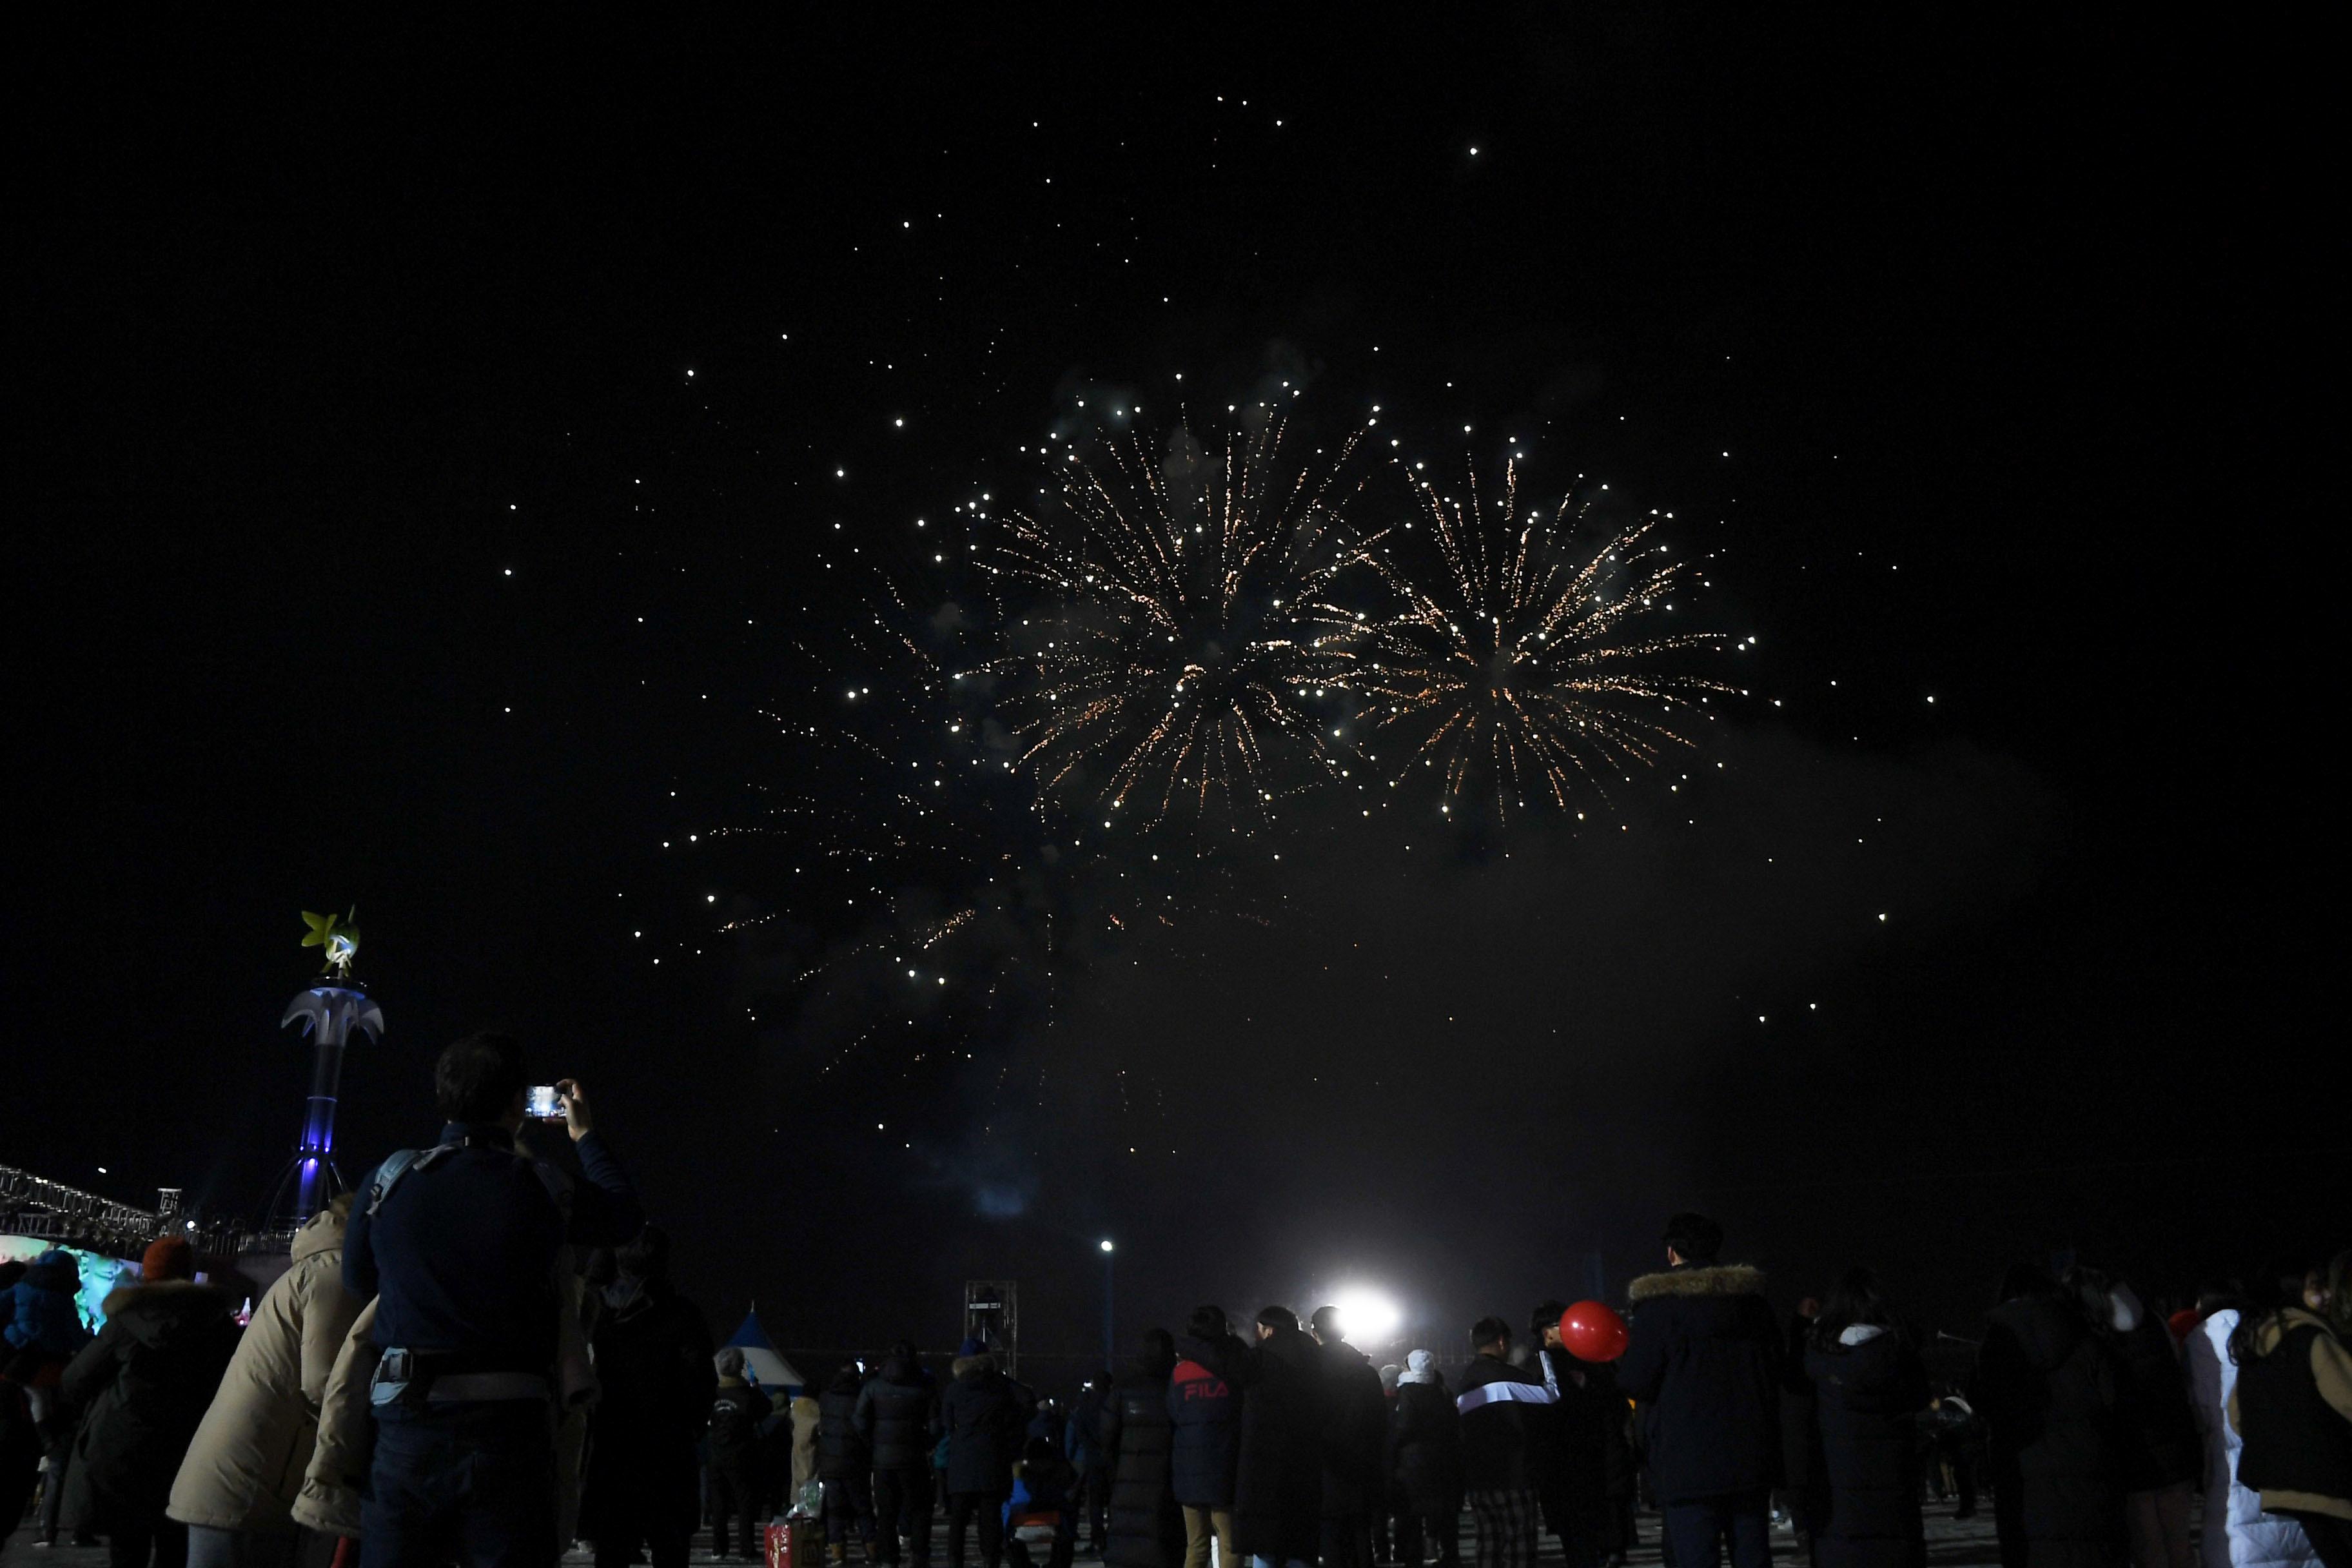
column 1951, row 1543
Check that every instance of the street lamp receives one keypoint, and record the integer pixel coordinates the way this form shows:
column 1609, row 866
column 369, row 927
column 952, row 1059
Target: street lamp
column 1110, row 1337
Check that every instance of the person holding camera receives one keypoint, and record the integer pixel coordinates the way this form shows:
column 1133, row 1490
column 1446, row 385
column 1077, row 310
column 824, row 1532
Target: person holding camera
column 460, row 1245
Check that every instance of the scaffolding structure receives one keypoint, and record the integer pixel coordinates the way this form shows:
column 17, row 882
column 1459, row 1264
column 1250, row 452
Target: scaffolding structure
column 992, row 1314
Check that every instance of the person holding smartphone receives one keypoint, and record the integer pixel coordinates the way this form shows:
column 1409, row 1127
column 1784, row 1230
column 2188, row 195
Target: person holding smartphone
column 459, row 1243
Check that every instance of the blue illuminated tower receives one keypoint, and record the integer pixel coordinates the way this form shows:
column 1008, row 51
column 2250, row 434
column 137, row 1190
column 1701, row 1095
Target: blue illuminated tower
column 328, row 1014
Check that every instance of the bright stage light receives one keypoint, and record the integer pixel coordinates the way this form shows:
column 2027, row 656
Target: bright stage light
column 1368, row 1317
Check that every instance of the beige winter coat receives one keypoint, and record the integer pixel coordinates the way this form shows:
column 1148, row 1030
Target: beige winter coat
column 246, row 1464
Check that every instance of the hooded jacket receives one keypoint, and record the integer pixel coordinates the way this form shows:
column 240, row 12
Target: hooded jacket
column 898, row 1415
column 1426, row 1441
column 244, row 1468
column 2237, row 1531
column 43, row 1315
column 2157, row 1428
column 1868, row 1390
column 2293, row 1408
column 1704, row 1357
column 984, row 1415
column 145, row 1383
column 1279, row 1472
column 1506, row 1413
column 2046, row 1387
column 736, row 1411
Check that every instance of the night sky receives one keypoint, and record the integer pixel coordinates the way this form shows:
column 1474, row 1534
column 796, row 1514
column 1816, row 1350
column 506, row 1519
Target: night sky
column 451, row 469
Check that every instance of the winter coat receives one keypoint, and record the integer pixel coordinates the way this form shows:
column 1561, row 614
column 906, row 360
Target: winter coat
column 983, row 1414
column 1426, row 1448
column 1506, row 1414
column 1356, row 1433
column 1144, row 1528
column 2046, row 1387
column 801, row 1413
column 898, row 1416
column 244, row 1468
column 43, row 1314
column 1278, row 1473
column 145, row 1383
column 1592, row 1461
column 1704, row 1357
column 736, row 1411
column 1206, row 1414
column 2237, row 1531
column 841, row 1453
column 2293, row 1408
column 1868, row 1390
column 654, row 1358
column 2156, row 1429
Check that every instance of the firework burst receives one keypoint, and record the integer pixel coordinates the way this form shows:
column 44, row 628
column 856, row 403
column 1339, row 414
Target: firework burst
column 1170, row 617
column 1521, row 666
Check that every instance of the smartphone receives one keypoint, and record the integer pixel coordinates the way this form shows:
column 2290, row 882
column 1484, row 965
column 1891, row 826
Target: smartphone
column 543, row 1104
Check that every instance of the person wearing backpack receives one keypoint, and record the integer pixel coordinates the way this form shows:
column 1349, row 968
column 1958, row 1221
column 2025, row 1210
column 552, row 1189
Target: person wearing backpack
column 458, row 1244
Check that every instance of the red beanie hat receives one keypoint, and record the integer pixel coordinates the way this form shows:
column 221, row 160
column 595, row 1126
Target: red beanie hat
column 168, row 1257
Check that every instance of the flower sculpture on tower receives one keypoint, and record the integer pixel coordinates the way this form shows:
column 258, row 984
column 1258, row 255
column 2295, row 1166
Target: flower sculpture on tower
column 330, row 1011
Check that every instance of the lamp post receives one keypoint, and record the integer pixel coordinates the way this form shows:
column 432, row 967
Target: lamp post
column 1110, row 1335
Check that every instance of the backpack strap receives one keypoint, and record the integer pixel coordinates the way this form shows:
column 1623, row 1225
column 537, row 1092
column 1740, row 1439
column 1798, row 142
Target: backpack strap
column 398, row 1163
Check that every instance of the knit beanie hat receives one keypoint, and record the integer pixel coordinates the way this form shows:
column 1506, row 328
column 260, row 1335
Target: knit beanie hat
column 168, row 1257
column 971, row 1348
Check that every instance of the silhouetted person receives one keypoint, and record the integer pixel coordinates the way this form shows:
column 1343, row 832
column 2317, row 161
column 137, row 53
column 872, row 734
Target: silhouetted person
column 898, row 1417
column 458, row 1244
column 845, row 1466
column 1206, row 1412
column 2046, row 1387
column 1146, row 1528
column 1425, row 1458
column 2293, row 1410
column 985, row 1417
column 737, row 1411
column 1355, row 1432
column 1705, row 1355
column 655, row 1364
column 1505, row 1412
column 1869, row 1387
column 1278, row 1480
column 2237, row 1532
column 144, row 1384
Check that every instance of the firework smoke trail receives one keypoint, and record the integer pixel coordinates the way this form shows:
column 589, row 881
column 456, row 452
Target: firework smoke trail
column 1184, row 608
column 1521, row 665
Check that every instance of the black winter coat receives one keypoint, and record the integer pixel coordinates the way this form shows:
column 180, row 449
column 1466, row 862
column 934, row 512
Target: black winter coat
column 841, row 1453
column 1356, row 1435
column 1144, row 1528
column 145, row 1383
column 653, row 1361
column 1866, row 1399
column 2161, row 1444
column 2046, row 1387
column 1278, row 1478
column 984, row 1415
column 1592, row 1459
column 1705, row 1358
column 1206, row 1412
column 1425, row 1451
column 897, row 1416
column 736, row 1412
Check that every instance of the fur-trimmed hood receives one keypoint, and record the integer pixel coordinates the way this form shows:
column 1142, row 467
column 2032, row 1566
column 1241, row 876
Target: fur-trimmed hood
column 161, row 1311
column 983, row 1361
column 1704, row 1279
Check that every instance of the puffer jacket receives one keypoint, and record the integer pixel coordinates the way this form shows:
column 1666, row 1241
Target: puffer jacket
column 1206, row 1412
column 984, row 1415
column 2237, row 1531
column 841, row 1453
column 1869, row 1388
column 43, row 1314
column 1144, row 1528
column 146, row 1382
column 2047, row 1386
column 897, row 1416
column 244, row 1468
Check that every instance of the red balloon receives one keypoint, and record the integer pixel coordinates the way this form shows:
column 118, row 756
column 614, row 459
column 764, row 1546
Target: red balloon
column 2184, row 1323
column 1592, row 1333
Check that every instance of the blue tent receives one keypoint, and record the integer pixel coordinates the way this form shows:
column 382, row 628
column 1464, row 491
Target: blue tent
column 769, row 1370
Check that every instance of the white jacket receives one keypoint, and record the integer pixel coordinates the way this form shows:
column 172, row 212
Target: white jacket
column 2237, row 1531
